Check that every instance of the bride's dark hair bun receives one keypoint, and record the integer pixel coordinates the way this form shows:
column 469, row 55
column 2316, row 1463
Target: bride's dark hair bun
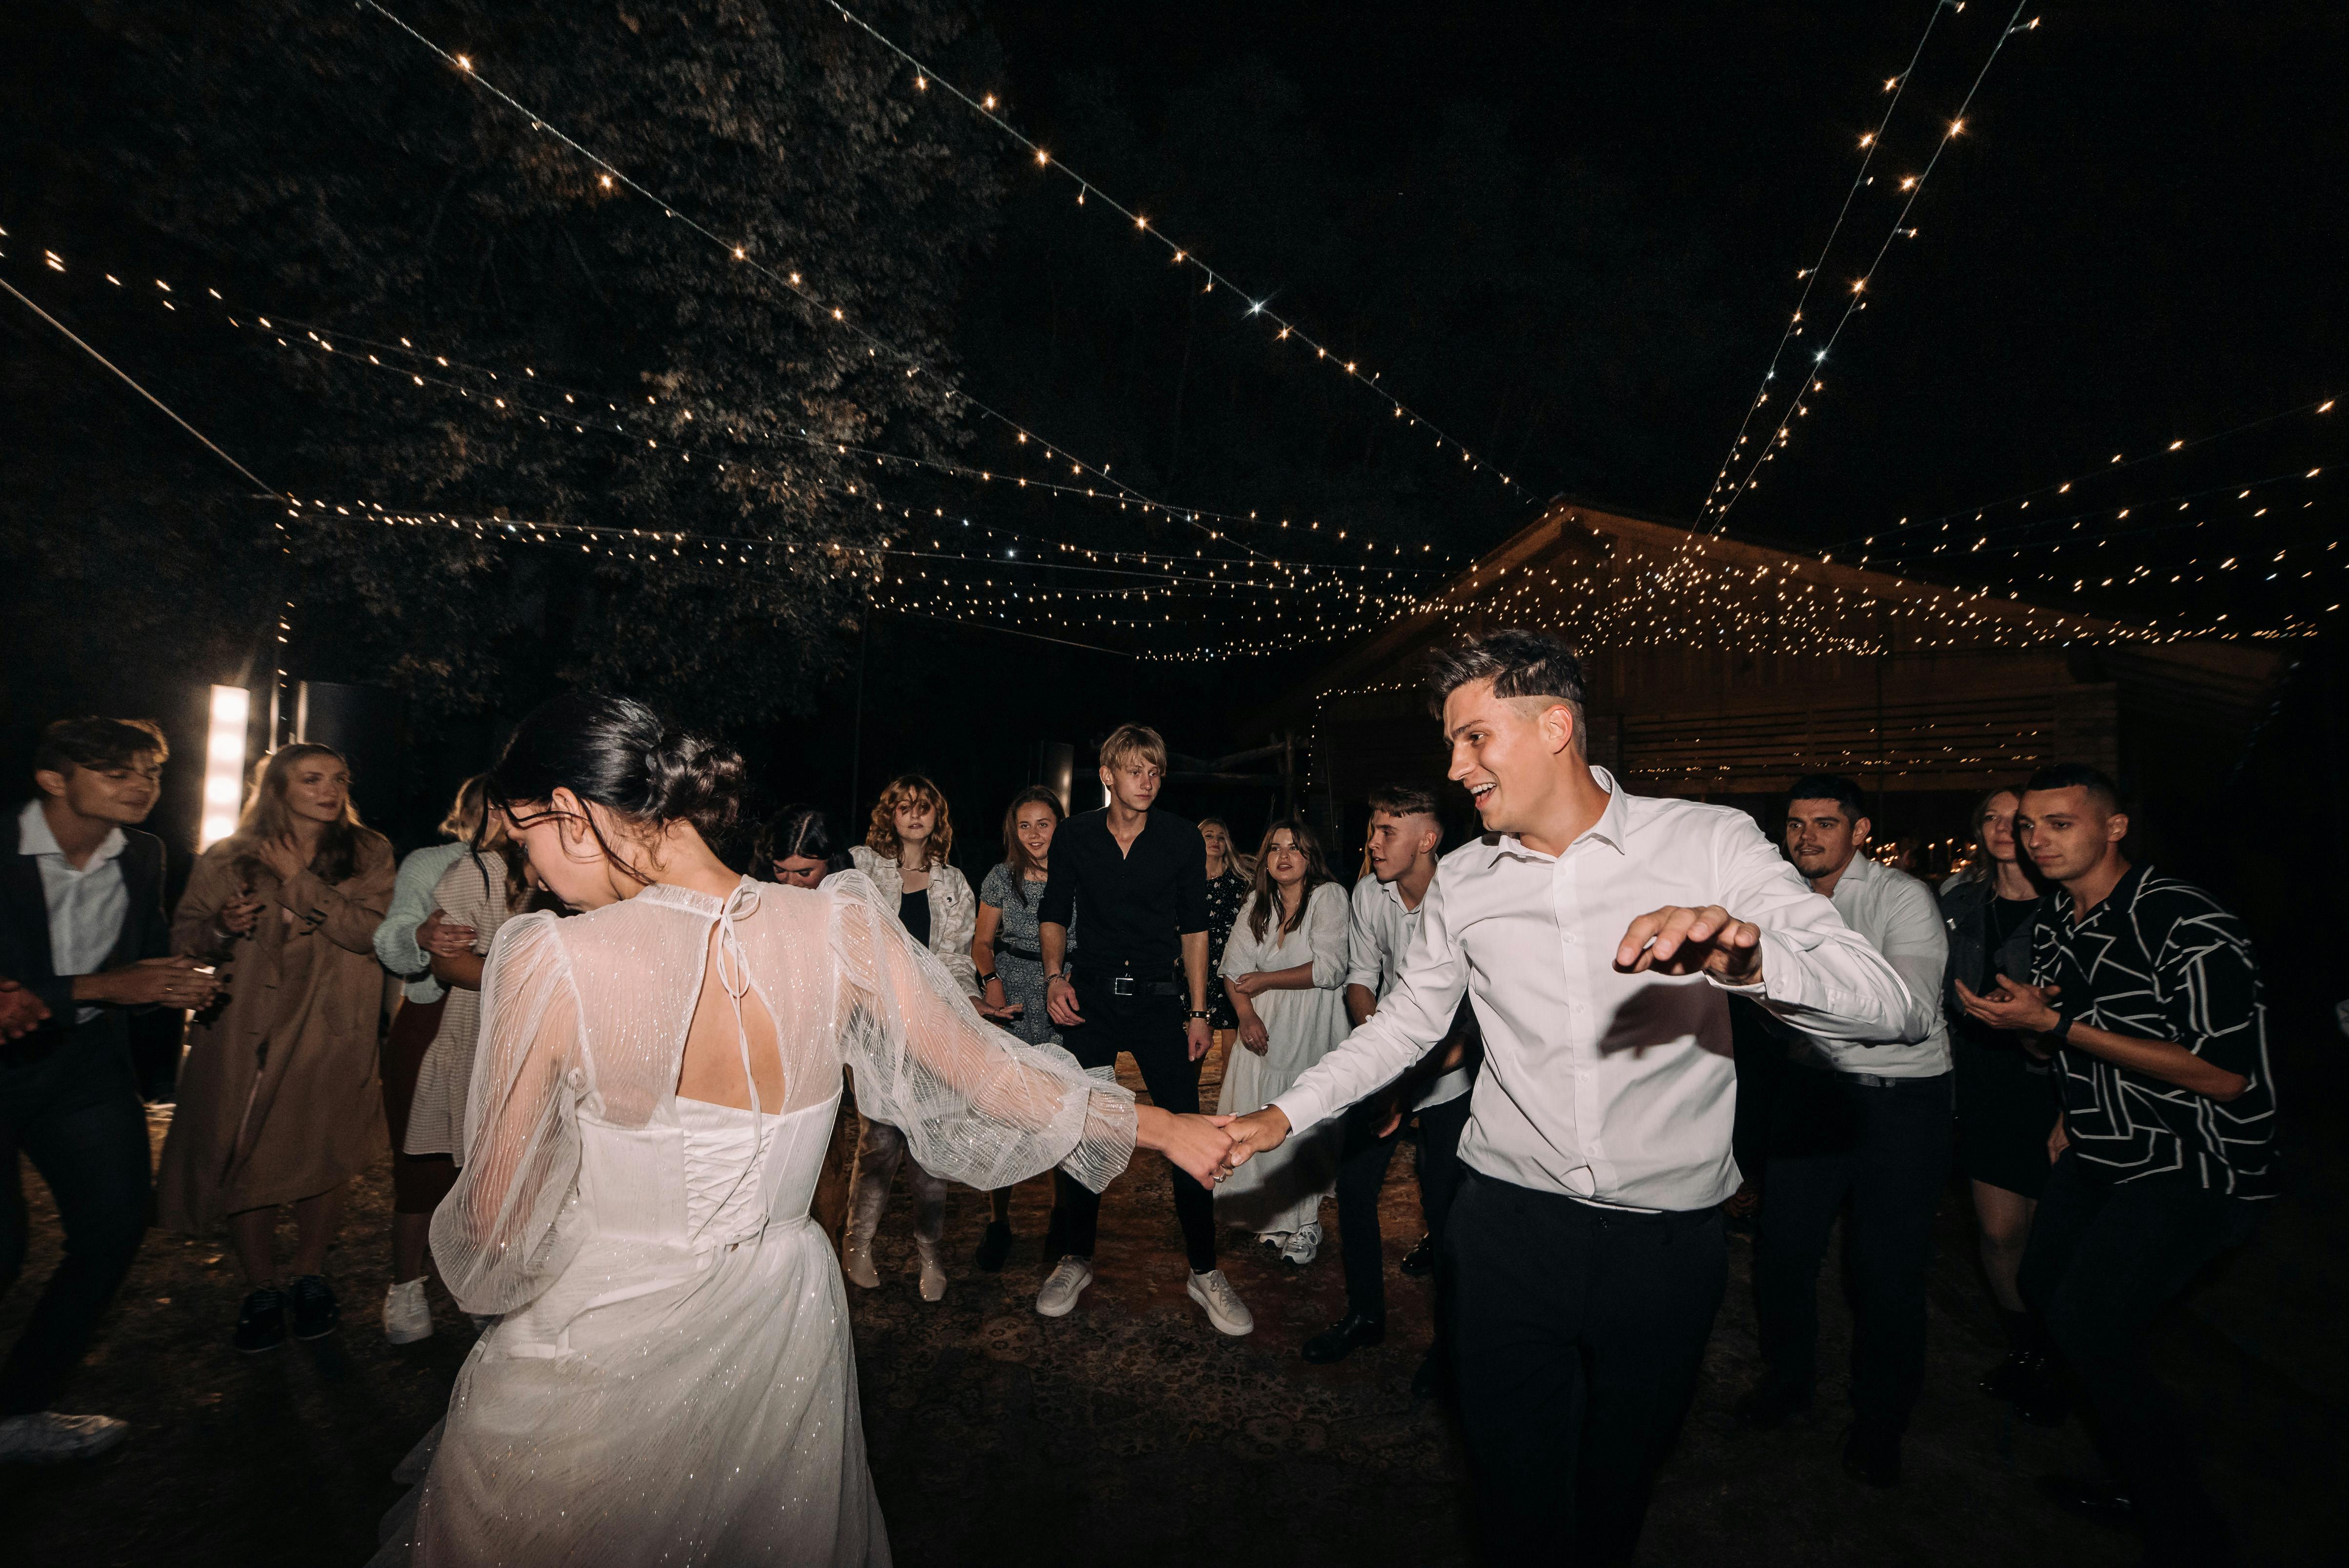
column 615, row 751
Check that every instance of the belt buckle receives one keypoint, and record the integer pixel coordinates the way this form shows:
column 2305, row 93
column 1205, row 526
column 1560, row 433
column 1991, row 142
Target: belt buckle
column 1120, row 986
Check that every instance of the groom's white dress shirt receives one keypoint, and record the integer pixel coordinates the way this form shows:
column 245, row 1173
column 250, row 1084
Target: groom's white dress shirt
column 1612, row 1088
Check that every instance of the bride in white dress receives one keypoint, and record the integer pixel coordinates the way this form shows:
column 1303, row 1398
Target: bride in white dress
column 671, row 1378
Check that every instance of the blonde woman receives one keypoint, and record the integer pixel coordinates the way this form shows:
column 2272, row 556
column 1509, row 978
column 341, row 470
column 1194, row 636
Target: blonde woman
column 904, row 853
column 278, row 1099
column 474, row 897
column 1284, row 972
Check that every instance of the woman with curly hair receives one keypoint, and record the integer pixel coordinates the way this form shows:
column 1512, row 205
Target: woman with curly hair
column 904, row 853
column 278, row 1099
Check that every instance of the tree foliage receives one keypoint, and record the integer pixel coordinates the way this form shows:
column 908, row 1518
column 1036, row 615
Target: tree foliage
column 326, row 171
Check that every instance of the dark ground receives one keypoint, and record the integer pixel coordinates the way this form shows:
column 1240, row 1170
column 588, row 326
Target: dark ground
column 1132, row 1433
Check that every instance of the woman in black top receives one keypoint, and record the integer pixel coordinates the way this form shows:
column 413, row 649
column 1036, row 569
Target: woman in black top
column 1227, row 888
column 2007, row 1099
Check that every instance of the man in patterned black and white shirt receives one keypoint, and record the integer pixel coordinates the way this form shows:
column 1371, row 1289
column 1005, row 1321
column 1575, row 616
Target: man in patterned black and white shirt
column 2166, row 1145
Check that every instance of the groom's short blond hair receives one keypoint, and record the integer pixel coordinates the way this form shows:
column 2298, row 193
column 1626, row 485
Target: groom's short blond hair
column 1130, row 742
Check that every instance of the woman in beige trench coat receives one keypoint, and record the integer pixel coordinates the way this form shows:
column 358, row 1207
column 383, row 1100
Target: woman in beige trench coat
column 278, row 1099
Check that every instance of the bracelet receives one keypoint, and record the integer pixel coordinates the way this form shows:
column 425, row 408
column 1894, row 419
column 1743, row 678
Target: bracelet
column 1056, row 975
column 1200, row 1012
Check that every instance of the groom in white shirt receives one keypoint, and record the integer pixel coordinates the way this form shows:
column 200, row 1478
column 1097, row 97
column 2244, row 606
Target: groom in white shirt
column 1597, row 935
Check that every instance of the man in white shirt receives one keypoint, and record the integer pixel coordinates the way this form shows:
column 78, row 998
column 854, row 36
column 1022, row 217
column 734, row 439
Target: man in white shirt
column 1597, row 935
column 1864, row 1120
column 1405, row 833
column 82, row 929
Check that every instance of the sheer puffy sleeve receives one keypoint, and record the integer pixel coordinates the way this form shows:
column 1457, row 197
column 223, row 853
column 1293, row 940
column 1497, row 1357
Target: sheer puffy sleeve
column 1243, row 954
column 496, row 1236
column 977, row 1105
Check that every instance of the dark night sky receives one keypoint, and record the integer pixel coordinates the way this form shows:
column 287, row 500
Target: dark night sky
column 1569, row 234
column 2139, row 239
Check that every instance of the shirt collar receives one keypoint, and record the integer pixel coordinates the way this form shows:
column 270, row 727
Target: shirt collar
column 34, row 838
column 1613, row 828
column 1862, row 870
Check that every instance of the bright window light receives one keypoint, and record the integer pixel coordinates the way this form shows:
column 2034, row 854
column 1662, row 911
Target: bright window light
column 224, row 764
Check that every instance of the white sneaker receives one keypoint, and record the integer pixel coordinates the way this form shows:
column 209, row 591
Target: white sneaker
column 1302, row 1243
column 47, row 1438
column 1225, row 1308
column 1068, row 1282
column 407, row 1315
column 933, row 1273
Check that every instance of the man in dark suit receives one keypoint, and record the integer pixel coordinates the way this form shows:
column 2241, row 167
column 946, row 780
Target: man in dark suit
column 83, row 941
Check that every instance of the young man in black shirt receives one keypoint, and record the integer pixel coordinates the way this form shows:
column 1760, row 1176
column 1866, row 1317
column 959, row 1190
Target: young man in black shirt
column 1140, row 877
column 2166, row 1147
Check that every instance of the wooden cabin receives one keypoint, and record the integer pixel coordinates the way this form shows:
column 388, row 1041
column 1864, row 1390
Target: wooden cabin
column 1725, row 670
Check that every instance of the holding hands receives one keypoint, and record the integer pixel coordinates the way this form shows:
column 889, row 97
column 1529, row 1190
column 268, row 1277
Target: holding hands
column 1678, row 941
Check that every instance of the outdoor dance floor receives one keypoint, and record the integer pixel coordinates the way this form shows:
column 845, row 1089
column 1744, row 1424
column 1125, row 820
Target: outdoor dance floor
column 1132, row 1433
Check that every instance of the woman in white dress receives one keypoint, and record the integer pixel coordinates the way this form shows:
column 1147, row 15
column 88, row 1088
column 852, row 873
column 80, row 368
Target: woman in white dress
column 671, row 1378
column 1285, row 971
column 904, row 853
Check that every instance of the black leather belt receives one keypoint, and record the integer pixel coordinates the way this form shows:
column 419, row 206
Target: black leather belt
column 1032, row 955
column 1135, row 985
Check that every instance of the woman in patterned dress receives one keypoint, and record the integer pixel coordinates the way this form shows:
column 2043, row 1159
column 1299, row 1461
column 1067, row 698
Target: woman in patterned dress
column 1007, row 958
column 1227, row 888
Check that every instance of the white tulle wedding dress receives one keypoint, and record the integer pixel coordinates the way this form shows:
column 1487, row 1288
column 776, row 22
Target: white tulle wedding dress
column 671, row 1378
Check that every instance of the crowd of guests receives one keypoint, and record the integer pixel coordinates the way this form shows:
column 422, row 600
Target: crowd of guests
column 2085, row 1034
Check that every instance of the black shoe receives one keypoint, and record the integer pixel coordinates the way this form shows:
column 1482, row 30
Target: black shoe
column 995, row 1245
column 261, row 1323
column 2013, row 1376
column 1772, row 1403
column 316, row 1313
column 1872, row 1455
column 1435, row 1375
column 2099, row 1500
column 2044, row 1401
column 1341, row 1338
column 1420, row 1262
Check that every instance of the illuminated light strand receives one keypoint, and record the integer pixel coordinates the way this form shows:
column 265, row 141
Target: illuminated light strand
column 1809, row 276
column 508, row 397
column 2180, row 500
column 791, row 282
column 1181, row 256
column 125, row 377
column 2118, row 462
column 1914, row 186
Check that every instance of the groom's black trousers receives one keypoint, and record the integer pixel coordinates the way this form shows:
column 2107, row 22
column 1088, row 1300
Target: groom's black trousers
column 1577, row 1336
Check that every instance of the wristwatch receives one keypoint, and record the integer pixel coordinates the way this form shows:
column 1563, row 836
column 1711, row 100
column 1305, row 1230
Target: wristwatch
column 985, row 981
column 2061, row 1033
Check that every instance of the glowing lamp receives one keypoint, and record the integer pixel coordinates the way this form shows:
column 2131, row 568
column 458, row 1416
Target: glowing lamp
column 231, row 709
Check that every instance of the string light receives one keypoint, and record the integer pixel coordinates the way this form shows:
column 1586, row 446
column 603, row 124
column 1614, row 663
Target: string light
column 1181, row 256
column 1717, row 505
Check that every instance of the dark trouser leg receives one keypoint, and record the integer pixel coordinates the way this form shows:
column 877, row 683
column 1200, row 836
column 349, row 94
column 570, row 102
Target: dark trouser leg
column 1440, row 1175
column 1173, row 1080
column 1578, row 1338
column 2102, row 1260
column 94, row 1158
column 1361, row 1172
column 1904, row 1161
column 1651, row 1312
column 1814, row 1136
column 1440, row 1169
column 1076, row 1211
